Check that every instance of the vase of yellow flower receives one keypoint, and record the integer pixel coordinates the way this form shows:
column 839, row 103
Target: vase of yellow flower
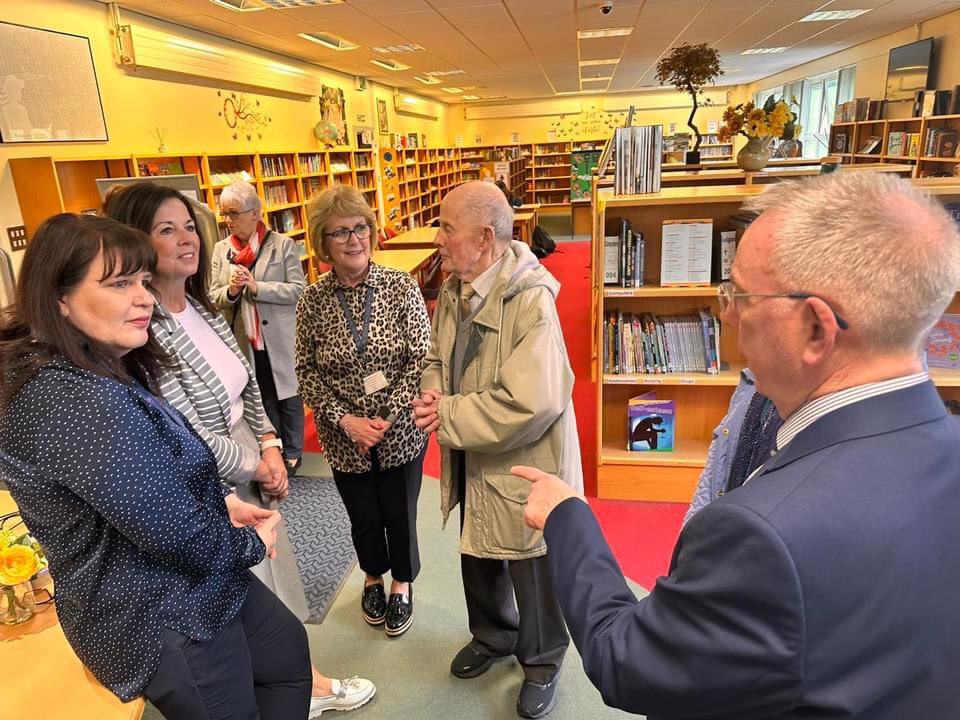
column 20, row 560
column 760, row 125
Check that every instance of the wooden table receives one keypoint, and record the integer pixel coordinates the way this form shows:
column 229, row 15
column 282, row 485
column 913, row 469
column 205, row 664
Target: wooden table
column 420, row 238
column 525, row 222
column 415, row 261
column 43, row 676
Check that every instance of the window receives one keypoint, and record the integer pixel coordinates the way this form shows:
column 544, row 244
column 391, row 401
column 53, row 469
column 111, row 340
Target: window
column 821, row 95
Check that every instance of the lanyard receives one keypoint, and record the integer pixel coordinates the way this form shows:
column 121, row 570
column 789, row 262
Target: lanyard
column 358, row 339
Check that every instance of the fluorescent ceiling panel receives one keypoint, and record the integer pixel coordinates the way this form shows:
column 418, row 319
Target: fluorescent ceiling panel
column 828, row 15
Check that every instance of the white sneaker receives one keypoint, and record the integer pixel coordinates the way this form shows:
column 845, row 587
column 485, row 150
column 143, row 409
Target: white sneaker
column 348, row 694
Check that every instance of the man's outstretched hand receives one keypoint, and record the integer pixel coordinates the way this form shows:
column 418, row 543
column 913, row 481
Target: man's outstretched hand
column 546, row 493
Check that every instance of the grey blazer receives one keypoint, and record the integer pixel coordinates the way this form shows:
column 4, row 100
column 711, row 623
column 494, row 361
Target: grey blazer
column 195, row 389
column 280, row 281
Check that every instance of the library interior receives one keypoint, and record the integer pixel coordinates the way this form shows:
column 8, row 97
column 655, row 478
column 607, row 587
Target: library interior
column 630, row 137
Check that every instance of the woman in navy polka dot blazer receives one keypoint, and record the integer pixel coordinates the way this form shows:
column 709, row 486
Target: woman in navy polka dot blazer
column 149, row 558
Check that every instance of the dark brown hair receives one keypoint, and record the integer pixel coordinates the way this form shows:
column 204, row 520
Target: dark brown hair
column 137, row 204
column 33, row 331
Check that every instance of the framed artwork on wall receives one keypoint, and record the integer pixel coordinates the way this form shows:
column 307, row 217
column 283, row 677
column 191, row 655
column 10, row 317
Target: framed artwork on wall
column 48, row 87
column 333, row 110
column 382, row 116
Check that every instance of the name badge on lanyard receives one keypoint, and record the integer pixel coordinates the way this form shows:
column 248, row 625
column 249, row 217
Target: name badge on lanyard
column 375, row 381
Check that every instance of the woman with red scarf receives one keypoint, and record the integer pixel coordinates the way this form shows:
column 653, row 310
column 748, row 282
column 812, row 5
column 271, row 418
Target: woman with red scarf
column 256, row 279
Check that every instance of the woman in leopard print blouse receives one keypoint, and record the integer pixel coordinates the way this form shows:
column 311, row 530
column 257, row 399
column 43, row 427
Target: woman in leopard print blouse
column 362, row 333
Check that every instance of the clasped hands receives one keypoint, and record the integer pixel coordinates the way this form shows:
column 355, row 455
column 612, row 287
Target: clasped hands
column 271, row 474
column 244, row 514
column 426, row 410
column 240, row 278
column 365, row 432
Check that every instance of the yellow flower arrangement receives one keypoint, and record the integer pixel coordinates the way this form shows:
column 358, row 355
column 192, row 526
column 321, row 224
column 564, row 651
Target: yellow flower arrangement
column 756, row 122
column 21, row 558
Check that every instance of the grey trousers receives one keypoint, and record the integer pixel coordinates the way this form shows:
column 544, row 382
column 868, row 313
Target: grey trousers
column 281, row 575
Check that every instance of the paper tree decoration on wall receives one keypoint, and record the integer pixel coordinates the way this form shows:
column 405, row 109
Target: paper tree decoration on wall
column 243, row 116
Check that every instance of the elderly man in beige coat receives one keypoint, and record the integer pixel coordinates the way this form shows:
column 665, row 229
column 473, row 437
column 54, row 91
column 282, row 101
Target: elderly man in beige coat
column 497, row 388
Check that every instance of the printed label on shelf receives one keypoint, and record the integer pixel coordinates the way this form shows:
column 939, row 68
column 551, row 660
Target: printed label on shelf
column 618, row 292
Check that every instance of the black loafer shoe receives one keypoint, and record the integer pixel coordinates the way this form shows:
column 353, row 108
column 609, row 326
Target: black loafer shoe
column 293, row 466
column 536, row 700
column 374, row 604
column 470, row 662
column 399, row 613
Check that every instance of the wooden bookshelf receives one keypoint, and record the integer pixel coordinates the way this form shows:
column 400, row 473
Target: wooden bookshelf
column 922, row 161
column 285, row 181
column 701, row 399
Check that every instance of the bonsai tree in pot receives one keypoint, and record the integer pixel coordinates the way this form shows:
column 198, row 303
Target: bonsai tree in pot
column 689, row 68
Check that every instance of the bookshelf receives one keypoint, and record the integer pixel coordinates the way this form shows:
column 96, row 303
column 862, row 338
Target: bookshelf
column 285, row 182
column 424, row 176
column 711, row 150
column 550, row 179
column 701, row 399
column 848, row 140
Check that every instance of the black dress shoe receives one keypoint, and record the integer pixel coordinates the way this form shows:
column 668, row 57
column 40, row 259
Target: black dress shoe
column 374, row 604
column 536, row 700
column 399, row 613
column 293, row 465
column 470, row 662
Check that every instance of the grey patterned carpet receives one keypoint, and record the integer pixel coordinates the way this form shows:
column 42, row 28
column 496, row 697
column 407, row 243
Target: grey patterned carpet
column 319, row 532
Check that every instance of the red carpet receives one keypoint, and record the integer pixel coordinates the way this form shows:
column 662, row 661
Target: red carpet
column 641, row 534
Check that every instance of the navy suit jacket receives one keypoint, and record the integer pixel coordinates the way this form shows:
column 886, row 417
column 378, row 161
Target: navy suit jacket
column 826, row 587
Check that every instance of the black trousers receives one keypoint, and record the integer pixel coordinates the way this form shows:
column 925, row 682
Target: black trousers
column 382, row 506
column 256, row 667
column 285, row 415
column 511, row 608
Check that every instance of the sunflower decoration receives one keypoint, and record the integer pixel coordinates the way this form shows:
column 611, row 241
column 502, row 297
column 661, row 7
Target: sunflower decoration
column 770, row 121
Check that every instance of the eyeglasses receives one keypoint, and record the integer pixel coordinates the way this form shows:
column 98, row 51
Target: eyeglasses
column 232, row 215
column 342, row 235
column 727, row 294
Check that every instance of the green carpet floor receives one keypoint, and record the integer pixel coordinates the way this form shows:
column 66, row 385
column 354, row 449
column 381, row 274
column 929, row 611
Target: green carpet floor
column 412, row 672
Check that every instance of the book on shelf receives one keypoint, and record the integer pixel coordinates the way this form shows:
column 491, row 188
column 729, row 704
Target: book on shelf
column 954, row 108
column 913, row 149
column 862, row 108
column 661, row 344
column 839, row 144
column 870, row 145
column 154, row 169
column 929, row 103
column 639, row 154
column 874, row 109
column 229, row 176
column 945, row 144
column 943, row 343
column 650, row 423
column 941, row 102
column 897, row 143
column 686, row 251
column 623, row 257
column 726, row 254
column 849, row 111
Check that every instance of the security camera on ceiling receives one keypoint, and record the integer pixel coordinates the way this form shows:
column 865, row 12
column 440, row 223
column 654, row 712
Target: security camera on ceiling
column 606, row 7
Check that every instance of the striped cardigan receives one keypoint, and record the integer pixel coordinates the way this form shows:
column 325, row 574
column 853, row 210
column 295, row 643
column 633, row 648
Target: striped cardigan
column 195, row 389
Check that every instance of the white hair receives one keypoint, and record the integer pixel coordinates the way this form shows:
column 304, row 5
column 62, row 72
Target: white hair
column 490, row 207
column 243, row 194
column 886, row 254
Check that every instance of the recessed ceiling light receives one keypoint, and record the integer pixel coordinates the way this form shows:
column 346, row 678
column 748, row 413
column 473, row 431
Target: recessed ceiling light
column 426, row 80
column 386, row 49
column 471, row 97
column 452, row 90
column 284, row 4
column 604, row 32
column 331, row 41
column 596, row 79
column 763, row 51
column 833, row 15
column 390, row 65
column 239, row 5
column 444, row 73
column 609, row 61
column 493, row 97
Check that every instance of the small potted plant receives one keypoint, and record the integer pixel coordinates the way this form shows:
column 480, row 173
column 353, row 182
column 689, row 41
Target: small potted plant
column 689, row 68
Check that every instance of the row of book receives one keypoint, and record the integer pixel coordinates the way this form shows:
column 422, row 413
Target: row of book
column 941, row 142
column 639, row 154
column 274, row 165
column 154, row 169
column 903, row 143
column 284, row 221
column 227, row 177
column 623, row 257
column 275, row 195
column 652, row 344
column 312, row 164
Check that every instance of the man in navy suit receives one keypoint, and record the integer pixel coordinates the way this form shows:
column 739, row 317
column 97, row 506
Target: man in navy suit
column 828, row 585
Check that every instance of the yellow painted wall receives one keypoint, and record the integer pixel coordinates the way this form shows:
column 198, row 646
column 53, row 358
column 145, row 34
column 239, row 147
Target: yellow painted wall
column 871, row 58
column 535, row 129
column 186, row 109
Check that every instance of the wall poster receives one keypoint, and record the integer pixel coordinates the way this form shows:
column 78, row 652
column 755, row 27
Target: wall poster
column 48, row 87
column 333, row 110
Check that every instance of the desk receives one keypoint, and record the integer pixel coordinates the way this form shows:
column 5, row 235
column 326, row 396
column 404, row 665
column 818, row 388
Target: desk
column 525, row 222
column 419, row 238
column 50, row 681
column 412, row 261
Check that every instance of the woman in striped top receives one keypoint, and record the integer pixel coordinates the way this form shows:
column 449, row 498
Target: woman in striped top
column 212, row 384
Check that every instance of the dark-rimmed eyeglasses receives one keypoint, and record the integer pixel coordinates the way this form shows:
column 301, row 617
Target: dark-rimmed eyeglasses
column 727, row 294
column 342, row 235
column 232, row 215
